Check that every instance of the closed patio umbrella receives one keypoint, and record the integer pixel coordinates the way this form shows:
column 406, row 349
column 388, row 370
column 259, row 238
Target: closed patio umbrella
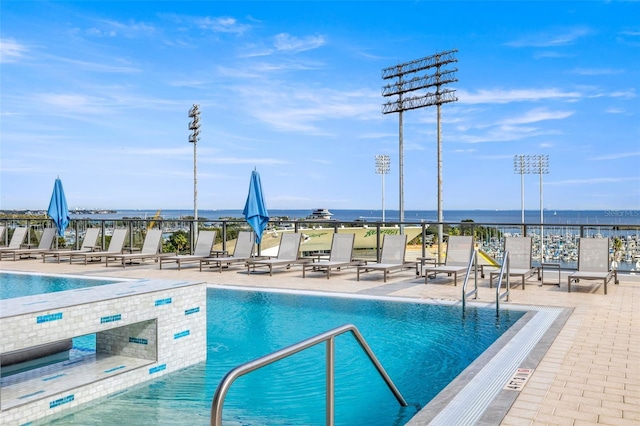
column 58, row 210
column 255, row 210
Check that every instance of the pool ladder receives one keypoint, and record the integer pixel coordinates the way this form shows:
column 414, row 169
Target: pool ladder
column 504, row 272
column 329, row 338
column 473, row 263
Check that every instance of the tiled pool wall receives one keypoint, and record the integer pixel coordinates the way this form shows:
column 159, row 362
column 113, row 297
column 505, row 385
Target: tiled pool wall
column 143, row 330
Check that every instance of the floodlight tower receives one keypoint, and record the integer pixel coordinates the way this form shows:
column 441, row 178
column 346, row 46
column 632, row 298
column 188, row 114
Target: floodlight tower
column 382, row 168
column 533, row 164
column 437, row 76
column 194, row 126
column 540, row 165
column 522, row 166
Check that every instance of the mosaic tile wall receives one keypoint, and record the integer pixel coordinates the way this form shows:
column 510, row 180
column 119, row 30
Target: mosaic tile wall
column 148, row 328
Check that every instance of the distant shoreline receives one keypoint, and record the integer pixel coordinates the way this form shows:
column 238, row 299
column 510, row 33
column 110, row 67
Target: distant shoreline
column 551, row 217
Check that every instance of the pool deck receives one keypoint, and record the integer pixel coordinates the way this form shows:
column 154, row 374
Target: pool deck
column 590, row 374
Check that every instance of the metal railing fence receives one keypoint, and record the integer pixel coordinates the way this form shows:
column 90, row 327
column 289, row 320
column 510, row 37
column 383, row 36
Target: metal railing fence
column 559, row 243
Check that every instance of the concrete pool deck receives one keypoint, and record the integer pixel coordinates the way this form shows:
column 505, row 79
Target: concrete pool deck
column 589, row 375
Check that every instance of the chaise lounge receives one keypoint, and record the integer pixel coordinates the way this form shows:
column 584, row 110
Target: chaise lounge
column 288, row 254
column 241, row 253
column 593, row 262
column 394, row 248
column 115, row 247
column 458, row 256
column 150, row 250
column 204, row 244
column 341, row 255
column 46, row 241
column 88, row 245
column 520, row 259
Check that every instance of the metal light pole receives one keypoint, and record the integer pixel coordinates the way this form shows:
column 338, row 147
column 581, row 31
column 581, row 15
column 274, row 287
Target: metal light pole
column 533, row 164
column 415, row 92
column 542, row 167
column 194, row 126
column 521, row 166
column 382, row 168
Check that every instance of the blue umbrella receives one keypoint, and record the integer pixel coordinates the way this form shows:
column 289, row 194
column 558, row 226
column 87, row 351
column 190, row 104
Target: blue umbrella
column 58, row 209
column 255, row 210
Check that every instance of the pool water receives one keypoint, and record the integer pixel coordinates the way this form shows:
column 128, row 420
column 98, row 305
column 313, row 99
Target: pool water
column 20, row 285
column 422, row 346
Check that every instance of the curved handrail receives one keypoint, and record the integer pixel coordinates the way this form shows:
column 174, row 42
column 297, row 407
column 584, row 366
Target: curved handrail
column 505, row 265
column 473, row 261
column 328, row 336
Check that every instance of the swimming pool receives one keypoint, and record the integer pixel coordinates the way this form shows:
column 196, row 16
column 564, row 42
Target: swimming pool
column 16, row 284
column 422, row 346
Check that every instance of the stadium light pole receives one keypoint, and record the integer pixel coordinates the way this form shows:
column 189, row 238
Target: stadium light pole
column 541, row 167
column 533, row 164
column 194, row 126
column 521, row 166
column 382, row 168
column 437, row 77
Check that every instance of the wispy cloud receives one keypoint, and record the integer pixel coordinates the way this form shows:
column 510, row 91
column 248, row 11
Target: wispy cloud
column 11, row 50
column 505, row 133
column 536, row 115
column 594, row 180
column 284, row 43
column 287, row 43
column 502, row 96
column 111, row 28
column 596, row 71
column 301, row 108
column 243, row 160
column 551, row 38
column 617, row 156
column 124, row 68
column 222, row 25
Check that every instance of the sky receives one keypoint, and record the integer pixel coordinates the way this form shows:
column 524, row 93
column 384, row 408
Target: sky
column 98, row 93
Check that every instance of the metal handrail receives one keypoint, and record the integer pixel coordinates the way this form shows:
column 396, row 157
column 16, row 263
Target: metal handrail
column 329, row 337
column 505, row 265
column 473, row 261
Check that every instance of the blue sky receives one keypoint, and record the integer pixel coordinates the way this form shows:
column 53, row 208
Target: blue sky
column 98, row 94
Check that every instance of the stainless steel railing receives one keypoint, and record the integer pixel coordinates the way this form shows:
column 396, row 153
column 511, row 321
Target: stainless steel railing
column 503, row 273
column 473, row 262
column 329, row 338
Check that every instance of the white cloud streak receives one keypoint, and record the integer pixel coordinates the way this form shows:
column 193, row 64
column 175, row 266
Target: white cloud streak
column 11, row 50
column 551, row 39
column 284, row 42
column 502, row 96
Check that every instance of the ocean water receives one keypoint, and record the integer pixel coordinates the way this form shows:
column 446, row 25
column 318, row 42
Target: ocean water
column 551, row 217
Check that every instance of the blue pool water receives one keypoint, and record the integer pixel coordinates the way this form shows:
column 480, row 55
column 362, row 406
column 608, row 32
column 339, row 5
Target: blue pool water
column 422, row 346
column 20, row 285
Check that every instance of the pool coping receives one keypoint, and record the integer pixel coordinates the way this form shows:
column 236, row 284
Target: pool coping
column 494, row 410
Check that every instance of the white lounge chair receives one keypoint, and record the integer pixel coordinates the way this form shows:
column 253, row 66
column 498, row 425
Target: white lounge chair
column 288, row 254
column 204, row 244
column 394, row 248
column 115, row 247
column 520, row 259
column 150, row 250
column 593, row 262
column 341, row 255
column 88, row 245
column 46, row 241
column 458, row 256
column 241, row 253
column 16, row 239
